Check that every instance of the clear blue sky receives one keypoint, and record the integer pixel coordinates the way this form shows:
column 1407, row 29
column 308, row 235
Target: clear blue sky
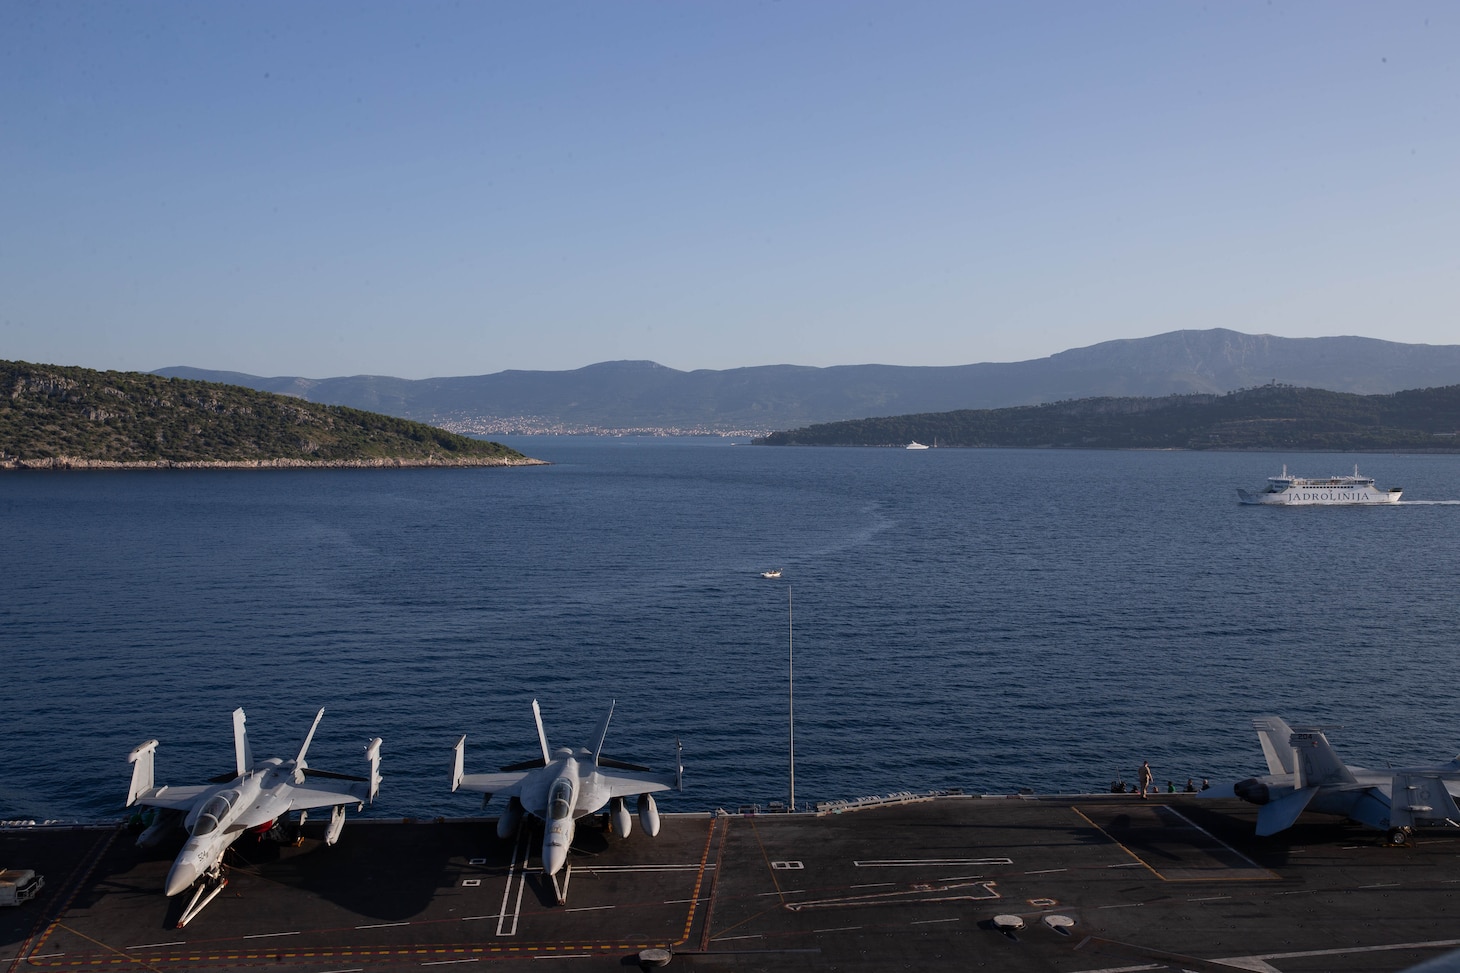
column 422, row 189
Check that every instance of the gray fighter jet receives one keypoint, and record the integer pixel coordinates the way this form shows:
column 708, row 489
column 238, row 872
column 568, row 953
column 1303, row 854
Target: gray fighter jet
column 254, row 799
column 567, row 784
column 1305, row 774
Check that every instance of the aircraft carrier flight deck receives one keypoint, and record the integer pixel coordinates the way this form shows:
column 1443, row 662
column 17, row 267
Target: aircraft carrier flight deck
column 1069, row 883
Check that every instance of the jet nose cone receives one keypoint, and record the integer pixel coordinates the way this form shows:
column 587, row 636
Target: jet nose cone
column 553, row 859
column 555, row 846
column 181, row 878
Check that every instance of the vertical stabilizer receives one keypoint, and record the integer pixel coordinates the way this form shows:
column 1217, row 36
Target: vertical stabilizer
column 372, row 754
column 1275, row 735
column 242, row 755
column 299, row 763
column 602, row 732
column 547, row 757
column 141, row 759
column 457, row 768
column 1316, row 763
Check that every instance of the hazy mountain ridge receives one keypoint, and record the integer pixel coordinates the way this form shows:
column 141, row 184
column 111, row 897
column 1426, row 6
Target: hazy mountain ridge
column 647, row 395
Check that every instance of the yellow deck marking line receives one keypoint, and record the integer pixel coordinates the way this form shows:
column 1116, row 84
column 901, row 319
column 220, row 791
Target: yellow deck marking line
column 694, row 895
column 96, row 855
column 1138, row 859
column 765, row 857
column 723, row 824
column 530, row 950
column 110, row 949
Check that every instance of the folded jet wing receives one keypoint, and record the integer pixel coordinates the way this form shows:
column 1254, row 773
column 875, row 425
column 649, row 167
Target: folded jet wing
column 568, row 784
column 252, row 799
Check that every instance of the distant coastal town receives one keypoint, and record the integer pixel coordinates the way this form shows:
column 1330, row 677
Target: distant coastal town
column 474, row 425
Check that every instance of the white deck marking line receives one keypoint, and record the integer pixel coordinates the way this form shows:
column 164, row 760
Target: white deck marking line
column 180, row 942
column 383, row 925
column 1128, row 865
column 269, row 935
column 512, row 872
column 1046, row 871
column 929, row 922
column 44, row 955
column 517, row 906
column 448, row 962
column 783, row 892
column 353, row 969
column 1126, row 905
column 1343, row 951
column 726, row 939
column 1192, row 824
column 591, row 908
column 873, row 885
column 1127, row 969
column 703, row 898
column 1381, row 885
column 473, row 918
column 1210, row 898
column 910, row 862
column 1302, row 891
column 817, row 932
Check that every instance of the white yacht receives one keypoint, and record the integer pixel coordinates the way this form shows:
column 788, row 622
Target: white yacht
column 916, row 445
column 1323, row 491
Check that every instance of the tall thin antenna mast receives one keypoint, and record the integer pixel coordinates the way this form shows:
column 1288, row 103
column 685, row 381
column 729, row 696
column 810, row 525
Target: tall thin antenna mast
column 791, row 643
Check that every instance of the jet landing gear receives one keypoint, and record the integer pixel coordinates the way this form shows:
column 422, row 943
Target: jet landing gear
column 1399, row 837
column 561, row 889
column 206, row 890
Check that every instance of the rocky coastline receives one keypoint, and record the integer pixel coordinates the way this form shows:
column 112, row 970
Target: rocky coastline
column 81, row 463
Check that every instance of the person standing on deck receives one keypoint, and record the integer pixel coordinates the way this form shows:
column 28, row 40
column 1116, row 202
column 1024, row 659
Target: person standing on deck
column 1144, row 777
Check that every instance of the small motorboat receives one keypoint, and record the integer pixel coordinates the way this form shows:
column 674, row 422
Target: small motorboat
column 771, row 574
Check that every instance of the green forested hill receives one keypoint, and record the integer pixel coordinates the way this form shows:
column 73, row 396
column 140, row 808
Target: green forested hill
column 1271, row 417
column 57, row 416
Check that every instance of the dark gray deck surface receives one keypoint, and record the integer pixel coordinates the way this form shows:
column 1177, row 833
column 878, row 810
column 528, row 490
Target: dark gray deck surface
column 1171, row 884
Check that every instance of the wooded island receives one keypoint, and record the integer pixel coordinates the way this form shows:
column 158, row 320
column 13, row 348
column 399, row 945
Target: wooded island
column 60, row 417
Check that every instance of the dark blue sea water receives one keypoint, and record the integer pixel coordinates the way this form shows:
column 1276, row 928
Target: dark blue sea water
column 980, row 619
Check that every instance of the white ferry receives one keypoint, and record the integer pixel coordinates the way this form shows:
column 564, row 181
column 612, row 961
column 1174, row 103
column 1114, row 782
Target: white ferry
column 1324, row 491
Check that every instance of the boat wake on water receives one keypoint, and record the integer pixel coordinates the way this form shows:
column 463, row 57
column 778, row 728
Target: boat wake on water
column 1429, row 503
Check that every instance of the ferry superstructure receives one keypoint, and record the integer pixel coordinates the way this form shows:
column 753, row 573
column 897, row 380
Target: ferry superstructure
column 1323, row 491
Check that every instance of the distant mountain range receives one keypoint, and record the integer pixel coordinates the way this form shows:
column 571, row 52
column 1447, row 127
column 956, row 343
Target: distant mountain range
column 645, row 396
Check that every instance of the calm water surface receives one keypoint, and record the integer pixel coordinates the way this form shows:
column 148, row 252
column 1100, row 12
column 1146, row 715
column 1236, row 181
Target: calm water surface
column 982, row 619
